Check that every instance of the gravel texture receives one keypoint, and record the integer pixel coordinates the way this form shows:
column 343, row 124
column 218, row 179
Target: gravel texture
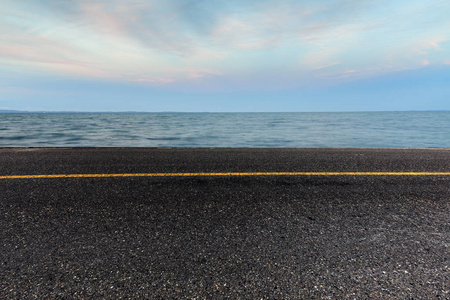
column 269, row 237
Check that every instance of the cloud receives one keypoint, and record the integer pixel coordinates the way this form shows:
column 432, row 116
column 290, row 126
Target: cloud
column 425, row 45
column 195, row 74
column 434, row 44
column 153, row 80
column 326, row 66
column 342, row 74
column 167, row 42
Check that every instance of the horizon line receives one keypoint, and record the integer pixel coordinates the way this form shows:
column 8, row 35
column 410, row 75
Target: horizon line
column 12, row 111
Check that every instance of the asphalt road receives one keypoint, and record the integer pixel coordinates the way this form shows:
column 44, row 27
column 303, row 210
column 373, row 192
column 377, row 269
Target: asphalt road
column 247, row 237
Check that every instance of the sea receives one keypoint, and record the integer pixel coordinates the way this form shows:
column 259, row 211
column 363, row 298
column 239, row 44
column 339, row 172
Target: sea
column 427, row 129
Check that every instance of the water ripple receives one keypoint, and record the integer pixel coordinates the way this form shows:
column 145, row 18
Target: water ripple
column 373, row 129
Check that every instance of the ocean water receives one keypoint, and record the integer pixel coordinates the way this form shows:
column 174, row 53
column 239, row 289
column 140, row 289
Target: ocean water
column 348, row 130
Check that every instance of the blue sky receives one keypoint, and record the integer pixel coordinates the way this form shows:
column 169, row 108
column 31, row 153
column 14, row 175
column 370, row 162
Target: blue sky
column 187, row 55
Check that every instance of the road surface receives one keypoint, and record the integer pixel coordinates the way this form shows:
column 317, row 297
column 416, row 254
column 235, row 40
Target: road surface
column 229, row 236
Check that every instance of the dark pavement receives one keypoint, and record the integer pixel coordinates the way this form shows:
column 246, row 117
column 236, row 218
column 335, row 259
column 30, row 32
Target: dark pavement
column 271, row 237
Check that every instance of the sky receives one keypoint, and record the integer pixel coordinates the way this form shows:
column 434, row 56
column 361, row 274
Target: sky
column 224, row 55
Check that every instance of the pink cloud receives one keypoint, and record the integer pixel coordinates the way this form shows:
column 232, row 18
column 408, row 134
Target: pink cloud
column 326, row 66
column 23, row 53
column 95, row 14
column 153, row 80
column 423, row 46
column 425, row 62
column 195, row 74
column 434, row 44
column 53, row 56
column 342, row 75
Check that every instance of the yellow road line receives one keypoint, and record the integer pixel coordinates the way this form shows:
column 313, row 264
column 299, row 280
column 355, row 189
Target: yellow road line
column 229, row 174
